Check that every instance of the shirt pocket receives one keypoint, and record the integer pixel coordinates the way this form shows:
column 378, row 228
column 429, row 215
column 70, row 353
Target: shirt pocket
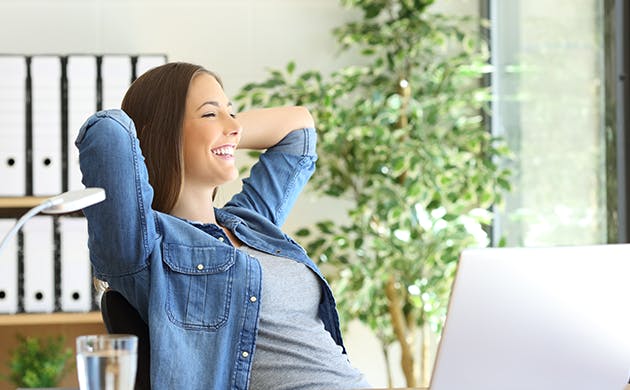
column 199, row 283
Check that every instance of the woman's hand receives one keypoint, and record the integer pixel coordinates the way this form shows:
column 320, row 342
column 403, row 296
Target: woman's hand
column 263, row 128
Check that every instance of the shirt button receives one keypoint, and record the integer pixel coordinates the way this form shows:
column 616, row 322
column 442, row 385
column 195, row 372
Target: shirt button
column 221, row 239
column 245, row 354
column 200, row 267
column 253, row 298
column 278, row 251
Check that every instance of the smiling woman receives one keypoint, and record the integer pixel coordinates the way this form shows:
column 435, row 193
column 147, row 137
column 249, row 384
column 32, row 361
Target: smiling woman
column 210, row 134
column 226, row 294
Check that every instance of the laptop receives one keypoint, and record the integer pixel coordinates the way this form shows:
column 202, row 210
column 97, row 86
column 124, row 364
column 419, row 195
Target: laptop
column 538, row 319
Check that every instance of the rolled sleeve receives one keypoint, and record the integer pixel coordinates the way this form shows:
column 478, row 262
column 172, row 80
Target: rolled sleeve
column 301, row 142
column 279, row 176
column 121, row 229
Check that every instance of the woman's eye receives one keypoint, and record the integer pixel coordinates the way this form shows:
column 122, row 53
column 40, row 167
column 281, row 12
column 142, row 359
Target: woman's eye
column 233, row 115
column 209, row 115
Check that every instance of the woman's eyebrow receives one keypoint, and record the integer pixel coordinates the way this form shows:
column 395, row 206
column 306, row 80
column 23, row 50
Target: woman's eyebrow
column 213, row 103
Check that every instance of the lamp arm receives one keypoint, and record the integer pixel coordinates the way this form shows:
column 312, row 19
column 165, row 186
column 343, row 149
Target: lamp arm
column 63, row 203
column 32, row 212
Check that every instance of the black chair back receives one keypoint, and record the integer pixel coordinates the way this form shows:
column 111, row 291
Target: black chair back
column 120, row 317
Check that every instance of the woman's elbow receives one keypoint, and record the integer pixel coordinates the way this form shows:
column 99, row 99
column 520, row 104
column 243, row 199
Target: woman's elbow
column 303, row 117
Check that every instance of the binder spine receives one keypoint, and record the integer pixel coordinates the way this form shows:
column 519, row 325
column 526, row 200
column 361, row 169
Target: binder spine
column 93, row 293
column 134, row 68
column 99, row 83
column 57, row 265
column 28, row 130
column 64, row 123
column 20, row 272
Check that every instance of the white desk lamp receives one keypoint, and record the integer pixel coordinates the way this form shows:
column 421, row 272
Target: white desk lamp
column 64, row 203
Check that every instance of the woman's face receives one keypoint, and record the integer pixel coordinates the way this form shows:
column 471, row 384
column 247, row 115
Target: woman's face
column 210, row 134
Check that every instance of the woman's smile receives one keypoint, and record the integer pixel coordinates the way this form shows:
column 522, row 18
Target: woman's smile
column 225, row 152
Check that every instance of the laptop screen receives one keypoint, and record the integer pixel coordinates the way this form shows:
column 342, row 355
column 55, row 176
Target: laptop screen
column 538, row 318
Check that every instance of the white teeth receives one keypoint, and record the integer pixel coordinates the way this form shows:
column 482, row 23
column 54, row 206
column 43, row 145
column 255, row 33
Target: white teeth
column 224, row 151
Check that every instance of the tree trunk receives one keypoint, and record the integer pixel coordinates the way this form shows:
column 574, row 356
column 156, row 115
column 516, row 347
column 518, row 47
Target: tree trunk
column 388, row 368
column 425, row 374
column 401, row 331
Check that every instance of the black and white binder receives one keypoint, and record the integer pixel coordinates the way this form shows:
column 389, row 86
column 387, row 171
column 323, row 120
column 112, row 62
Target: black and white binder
column 39, row 258
column 9, row 270
column 76, row 271
column 46, row 119
column 116, row 73
column 81, row 74
column 12, row 125
column 148, row 61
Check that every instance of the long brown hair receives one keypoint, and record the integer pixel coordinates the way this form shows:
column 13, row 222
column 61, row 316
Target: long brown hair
column 156, row 102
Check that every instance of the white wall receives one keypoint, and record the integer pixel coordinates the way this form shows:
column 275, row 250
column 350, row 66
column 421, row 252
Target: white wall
column 239, row 39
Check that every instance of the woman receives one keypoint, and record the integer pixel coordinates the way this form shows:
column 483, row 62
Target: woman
column 231, row 301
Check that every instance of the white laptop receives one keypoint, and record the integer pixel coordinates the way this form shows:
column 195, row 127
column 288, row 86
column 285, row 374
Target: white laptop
column 538, row 319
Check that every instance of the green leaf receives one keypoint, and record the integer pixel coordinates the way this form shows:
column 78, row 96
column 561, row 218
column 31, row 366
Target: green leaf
column 326, row 227
column 290, row 67
column 304, row 232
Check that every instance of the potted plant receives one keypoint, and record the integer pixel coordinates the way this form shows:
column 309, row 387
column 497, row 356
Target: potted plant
column 402, row 137
column 39, row 362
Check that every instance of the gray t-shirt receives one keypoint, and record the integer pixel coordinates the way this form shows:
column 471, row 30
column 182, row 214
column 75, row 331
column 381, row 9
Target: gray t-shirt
column 293, row 349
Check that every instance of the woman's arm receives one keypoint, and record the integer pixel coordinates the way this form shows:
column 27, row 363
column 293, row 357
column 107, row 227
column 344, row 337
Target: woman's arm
column 264, row 128
column 281, row 172
column 122, row 231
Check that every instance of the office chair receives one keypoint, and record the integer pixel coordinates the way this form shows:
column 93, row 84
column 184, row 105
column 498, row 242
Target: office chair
column 120, row 317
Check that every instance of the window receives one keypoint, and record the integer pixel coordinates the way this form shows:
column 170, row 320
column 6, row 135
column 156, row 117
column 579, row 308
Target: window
column 552, row 105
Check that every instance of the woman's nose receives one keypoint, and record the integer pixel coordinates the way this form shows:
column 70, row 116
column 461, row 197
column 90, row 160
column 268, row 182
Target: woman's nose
column 232, row 126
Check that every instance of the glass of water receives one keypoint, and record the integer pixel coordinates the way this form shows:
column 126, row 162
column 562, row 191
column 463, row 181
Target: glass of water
column 107, row 362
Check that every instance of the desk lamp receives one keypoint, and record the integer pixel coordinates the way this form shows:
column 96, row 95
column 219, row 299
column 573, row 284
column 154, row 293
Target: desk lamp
column 64, row 203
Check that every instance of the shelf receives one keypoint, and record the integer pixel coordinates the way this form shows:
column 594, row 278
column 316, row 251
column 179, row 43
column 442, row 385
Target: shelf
column 16, row 206
column 20, row 202
column 93, row 317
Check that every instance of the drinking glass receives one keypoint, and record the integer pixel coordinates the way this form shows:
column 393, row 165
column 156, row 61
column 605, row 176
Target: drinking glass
column 107, row 362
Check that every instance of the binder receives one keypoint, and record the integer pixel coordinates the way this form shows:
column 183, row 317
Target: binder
column 46, row 106
column 39, row 256
column 13, row 125
column 76, row 270
column 9, row 270
column 148, row 61
column 81, row 75
column 116, row 74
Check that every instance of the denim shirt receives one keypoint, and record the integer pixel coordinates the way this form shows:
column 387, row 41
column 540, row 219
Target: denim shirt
column 199, row 295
